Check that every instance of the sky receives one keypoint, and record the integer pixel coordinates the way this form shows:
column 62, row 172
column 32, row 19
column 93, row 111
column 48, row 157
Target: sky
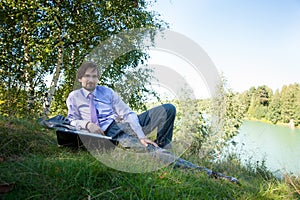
column 251, row 42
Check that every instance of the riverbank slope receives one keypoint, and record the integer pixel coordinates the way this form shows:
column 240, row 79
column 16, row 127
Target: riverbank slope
column 33, row 167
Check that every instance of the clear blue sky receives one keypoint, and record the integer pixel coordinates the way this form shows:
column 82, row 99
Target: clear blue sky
column 253, row 42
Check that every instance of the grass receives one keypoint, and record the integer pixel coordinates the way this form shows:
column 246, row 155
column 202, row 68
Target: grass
column 35, row 168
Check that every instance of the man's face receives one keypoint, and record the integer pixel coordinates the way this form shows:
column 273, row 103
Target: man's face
column 89, row 80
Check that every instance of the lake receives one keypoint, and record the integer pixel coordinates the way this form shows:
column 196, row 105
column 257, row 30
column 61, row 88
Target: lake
column 278, row 145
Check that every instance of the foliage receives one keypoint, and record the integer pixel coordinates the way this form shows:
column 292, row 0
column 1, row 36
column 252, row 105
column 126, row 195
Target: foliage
column 41, row 38
column 206, row 125
column 225, row 113
column 280, row 107
column 260, row 100
column 190, row 128
column 274, row 111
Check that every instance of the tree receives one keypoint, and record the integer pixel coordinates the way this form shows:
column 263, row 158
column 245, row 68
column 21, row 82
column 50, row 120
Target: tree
column 260, row 100
column 51, row 38
column 264, row 94
column 282, row 107
column 227, row 112
column 245, row 99
column 274, row 110
column 289, row 101
column 21, row 56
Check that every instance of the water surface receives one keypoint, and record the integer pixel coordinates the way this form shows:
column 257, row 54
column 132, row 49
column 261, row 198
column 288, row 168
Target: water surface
column 278, row 145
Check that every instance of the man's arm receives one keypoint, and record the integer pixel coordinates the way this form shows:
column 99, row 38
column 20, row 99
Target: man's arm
column 126, row 114
column 129, row 116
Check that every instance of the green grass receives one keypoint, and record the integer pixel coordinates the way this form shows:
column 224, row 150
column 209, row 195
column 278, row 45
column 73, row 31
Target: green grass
column 37, row 169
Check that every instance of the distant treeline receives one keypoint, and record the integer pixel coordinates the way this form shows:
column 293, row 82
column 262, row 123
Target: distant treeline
column 216, row 120
column 281, row 106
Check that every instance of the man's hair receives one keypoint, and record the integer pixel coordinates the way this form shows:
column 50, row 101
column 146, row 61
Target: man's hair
column 87, row 65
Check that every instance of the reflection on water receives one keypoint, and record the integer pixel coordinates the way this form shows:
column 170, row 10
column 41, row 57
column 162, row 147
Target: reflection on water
column 279, row 146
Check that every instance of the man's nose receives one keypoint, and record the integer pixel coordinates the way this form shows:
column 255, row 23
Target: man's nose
column 90, row 79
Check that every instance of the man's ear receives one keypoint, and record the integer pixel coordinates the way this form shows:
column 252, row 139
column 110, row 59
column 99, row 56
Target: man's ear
column 79, row 80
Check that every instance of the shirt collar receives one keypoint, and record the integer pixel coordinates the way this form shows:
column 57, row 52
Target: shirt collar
column 86, row 92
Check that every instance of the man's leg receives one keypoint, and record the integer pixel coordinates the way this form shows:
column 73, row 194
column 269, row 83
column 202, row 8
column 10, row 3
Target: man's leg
column 123, row 136
column 160, row 117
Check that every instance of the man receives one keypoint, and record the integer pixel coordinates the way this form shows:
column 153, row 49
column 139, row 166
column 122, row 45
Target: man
column 112, row 114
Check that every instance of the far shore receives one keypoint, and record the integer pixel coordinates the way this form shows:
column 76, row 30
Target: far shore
column 269, row 122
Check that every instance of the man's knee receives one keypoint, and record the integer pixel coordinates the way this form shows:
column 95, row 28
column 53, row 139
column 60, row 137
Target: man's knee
column 170, row 108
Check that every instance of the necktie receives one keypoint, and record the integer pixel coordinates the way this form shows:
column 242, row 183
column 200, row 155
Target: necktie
column 94, row 118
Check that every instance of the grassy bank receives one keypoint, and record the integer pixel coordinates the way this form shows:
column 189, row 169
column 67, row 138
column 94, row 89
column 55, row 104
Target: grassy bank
column 33, row 167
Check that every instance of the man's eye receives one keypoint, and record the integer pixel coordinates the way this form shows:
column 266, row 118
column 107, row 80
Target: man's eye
column 89, row 76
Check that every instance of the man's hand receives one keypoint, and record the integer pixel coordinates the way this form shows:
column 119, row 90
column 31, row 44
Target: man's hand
column 146, row 141
column 93, row 128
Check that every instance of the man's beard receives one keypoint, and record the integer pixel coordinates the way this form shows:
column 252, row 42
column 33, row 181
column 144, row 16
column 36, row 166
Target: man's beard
column 90, row 86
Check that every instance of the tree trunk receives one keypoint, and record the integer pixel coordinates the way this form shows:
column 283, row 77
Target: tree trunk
column 49, row 95
column 60, row 58
column 29, row 88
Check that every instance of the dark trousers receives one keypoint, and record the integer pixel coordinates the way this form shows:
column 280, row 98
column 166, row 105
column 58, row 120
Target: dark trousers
column 160, row 118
